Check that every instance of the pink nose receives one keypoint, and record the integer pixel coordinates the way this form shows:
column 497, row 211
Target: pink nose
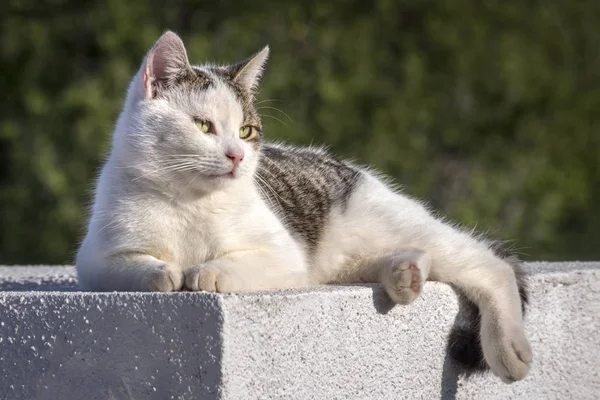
column 236, row 156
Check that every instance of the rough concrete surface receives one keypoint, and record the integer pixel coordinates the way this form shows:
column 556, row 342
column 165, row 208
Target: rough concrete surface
column 334, row 342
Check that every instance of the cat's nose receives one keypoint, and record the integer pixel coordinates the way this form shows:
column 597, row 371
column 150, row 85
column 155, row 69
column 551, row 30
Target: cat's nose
column 236, row 156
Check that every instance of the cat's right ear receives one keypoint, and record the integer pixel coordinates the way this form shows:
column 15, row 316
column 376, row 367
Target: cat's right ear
column 164, row 63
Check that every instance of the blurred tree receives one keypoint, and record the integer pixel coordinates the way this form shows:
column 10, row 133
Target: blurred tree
column 486, row 109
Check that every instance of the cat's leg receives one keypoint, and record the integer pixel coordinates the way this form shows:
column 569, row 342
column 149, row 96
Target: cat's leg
column 379, row 220
column 456, row 258
column 248, row 271
column 491, row 283
column 131, row 272
column 403, row 274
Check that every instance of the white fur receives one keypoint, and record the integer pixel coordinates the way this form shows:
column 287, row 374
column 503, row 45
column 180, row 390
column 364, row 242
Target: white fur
column 159, row 227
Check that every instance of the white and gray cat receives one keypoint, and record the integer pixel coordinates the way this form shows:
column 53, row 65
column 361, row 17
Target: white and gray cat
column 190, row 198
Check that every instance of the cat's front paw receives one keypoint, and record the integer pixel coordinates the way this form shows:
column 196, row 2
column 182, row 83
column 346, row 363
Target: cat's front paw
column 506, row 350
column 166, row 278
column 209, row 278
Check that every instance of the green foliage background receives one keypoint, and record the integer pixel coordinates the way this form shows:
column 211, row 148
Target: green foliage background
column 487, row 109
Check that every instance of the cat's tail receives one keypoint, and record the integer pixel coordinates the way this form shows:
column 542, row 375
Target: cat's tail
column 464, row 344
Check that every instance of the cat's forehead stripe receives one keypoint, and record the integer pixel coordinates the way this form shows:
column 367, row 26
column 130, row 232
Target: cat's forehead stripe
column 244, row 99
column 200, row 79
column 208, row 75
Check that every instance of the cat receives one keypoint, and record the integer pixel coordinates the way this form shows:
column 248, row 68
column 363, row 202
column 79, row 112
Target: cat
column 191, row 198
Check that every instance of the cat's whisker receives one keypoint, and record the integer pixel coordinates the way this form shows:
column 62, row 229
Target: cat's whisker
column 276, row 109
column 184, row 168
column 275, row 118
column 188, row 185
column 159, row 172
column 167, row 167
column 133, row 166
column 262, row 192
column 182, row 155
column 263, row 182
column 267, row 100
column 171, row 163
column 177, row 166
column 153, row 163
column 265, row 195
column 110, row 223
column 268, row 186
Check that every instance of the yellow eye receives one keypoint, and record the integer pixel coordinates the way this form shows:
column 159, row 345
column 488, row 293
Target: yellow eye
column 248, row 132
column 204, row 126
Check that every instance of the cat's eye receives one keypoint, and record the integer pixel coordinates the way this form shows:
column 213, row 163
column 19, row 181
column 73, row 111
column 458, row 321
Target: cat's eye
column 204, row 126
column 248, row 132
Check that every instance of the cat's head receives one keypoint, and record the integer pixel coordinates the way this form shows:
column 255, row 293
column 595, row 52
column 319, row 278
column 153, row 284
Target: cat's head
column 187, row 126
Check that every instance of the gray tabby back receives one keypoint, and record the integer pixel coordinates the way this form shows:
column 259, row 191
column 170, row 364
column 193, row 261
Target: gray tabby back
column 302, row 185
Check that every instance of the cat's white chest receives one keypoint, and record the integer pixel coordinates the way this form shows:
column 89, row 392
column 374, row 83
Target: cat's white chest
column 197, row 240
column 206, row 232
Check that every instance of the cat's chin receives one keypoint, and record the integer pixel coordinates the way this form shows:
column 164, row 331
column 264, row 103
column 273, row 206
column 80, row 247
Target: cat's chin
column 220, row 181
column 223, row 177
column 209, row 184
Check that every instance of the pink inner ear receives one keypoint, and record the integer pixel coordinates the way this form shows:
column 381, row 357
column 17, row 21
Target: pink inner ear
column 166, row 58
column 148, row 71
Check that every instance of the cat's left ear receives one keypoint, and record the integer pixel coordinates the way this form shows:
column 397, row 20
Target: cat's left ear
column 247, row 74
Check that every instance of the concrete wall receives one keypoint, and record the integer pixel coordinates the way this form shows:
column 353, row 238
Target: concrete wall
column 327, row 343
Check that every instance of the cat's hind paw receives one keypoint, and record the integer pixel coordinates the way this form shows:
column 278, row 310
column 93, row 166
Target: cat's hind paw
column 402, row 281
column 506, row 350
